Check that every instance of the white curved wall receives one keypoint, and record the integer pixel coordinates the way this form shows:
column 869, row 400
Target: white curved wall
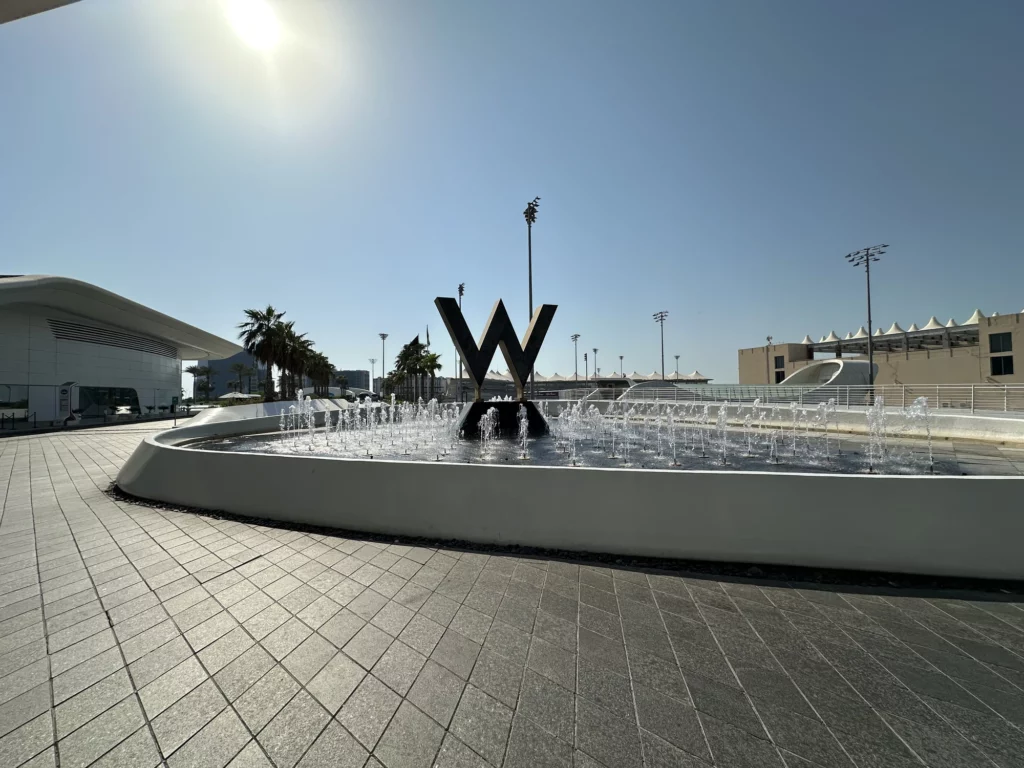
column 836, row 372
column 33, row 361
column 932, row 525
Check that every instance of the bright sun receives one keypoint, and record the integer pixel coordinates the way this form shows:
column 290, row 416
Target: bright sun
column 254, row 21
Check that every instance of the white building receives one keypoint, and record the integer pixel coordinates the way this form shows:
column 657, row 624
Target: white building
column 67, row 346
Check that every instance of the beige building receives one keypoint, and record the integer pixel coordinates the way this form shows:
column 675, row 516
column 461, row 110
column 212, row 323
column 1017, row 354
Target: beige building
column 980, row 351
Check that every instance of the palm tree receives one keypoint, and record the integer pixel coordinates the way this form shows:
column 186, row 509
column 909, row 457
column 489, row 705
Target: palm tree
column 260, row 336
column 431, row 364
column 240, row 370
column 409, row 363
column 319, row 369
column 195, row 371
column 293, row 350
column 205, row 372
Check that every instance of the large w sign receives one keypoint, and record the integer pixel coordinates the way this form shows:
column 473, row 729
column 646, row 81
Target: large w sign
column 497, row 333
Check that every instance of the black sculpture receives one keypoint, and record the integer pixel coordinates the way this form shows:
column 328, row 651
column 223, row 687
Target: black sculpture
column 520, row 358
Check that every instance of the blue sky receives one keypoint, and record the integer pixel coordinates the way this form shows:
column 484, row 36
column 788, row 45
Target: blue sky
column 712, row 159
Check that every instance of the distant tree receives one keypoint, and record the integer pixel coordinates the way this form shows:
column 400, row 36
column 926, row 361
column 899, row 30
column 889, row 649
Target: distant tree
column 431, row 365
column 262, row 338
column 240, row 370
column 195, row 371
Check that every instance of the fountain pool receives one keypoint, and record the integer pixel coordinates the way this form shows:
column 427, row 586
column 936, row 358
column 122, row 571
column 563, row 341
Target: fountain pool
column 665, row 436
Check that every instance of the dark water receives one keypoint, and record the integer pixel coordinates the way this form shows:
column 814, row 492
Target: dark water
column 848, row 456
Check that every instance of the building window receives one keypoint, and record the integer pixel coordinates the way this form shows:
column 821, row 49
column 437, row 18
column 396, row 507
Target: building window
column 780, row 361
column 1002, row 366
column 779, row 376
column 100, row 401
column 1000, row 342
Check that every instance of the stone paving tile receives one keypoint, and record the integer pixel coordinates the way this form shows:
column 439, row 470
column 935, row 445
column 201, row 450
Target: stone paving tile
column 256, row 646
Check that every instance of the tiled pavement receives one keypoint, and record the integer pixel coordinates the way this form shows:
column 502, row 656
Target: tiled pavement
column 131, row 636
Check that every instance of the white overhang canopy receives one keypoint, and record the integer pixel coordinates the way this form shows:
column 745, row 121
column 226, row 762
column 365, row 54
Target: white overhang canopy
column 92, row 303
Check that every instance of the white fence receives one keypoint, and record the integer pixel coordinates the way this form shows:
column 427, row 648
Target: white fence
column 968, row 397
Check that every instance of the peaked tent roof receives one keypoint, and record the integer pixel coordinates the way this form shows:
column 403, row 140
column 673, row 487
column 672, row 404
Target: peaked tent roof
column 933, row 324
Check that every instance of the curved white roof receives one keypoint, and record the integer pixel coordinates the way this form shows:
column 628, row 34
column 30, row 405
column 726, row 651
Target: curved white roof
column 951, row 323
column 848, row 335
column 879, row 332
column 831, row 336
column 976, row 318
column 807, row 340
column 94, row 303
column 913, row 327
column 894, row 328
column 933, row 324
column 861, row 333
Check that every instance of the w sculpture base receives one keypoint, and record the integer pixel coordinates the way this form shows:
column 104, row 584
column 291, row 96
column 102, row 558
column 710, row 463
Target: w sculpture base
column 508, row 418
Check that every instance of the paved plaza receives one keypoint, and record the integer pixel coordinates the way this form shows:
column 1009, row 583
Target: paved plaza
column 135, row 636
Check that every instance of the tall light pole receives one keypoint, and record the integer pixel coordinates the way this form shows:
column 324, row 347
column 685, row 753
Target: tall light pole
column 383, row 362
column 659, row 317
column 863, row 258
column 767, row 353
column 586, row 370
column 595, row 365
column 458, row 385
column 622, row 374
column 677, row 366
column 575, row 355
column 373, row 360
column 530, row 214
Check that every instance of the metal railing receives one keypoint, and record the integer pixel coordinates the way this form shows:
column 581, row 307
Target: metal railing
column 969, row 397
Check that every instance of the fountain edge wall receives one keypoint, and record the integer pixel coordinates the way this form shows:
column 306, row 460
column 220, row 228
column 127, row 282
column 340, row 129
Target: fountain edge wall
column 911, row 524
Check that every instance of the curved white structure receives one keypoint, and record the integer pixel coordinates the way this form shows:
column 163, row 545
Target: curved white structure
column 830, row 372
column 68, row 347
column 911, row 524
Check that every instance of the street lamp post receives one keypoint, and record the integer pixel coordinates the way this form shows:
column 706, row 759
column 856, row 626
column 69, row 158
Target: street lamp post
column 575, row 355
column 767, row 354
column 530, row 214
column 458, row 385
column 383, row 362
column 677, row 366
column 595, row 365
column 659, row 317
column 373, row 361
column 586, row 370
column 622, row 374
column 863, row 258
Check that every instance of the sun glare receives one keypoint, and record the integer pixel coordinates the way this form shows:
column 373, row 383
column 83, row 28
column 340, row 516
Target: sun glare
column 254, row 21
